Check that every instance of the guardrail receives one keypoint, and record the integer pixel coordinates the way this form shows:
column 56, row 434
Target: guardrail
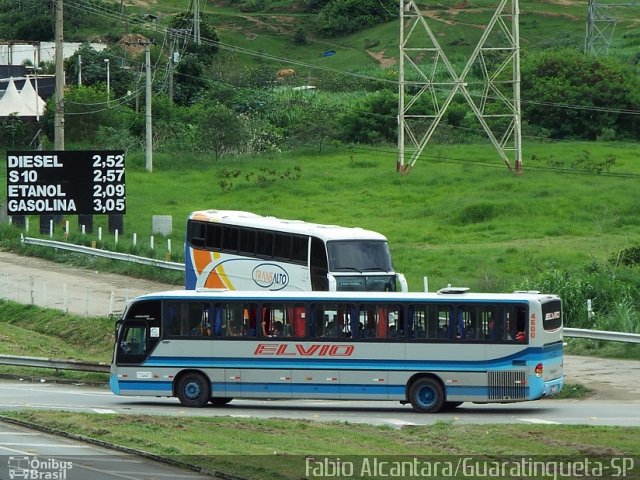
column 602, row 335
column 104, row 368
column 103, row 253
column 42, row 362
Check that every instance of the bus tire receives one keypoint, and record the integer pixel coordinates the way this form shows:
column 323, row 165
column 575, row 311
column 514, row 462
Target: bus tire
column 426, row 395
column 193, row 390
column 220, row 401
column 451, row 405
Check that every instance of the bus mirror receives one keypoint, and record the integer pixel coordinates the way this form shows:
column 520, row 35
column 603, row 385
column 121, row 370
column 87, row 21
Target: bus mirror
column 404, row 286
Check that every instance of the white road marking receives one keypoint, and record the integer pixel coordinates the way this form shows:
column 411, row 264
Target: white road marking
column 397, row 423
column 539, row 421
column 103, row 410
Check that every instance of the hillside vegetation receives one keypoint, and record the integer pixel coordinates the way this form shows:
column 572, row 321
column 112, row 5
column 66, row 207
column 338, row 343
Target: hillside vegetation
column 239, row 136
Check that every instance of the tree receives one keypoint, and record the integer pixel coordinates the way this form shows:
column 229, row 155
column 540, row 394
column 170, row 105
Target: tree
column 316, row 125
column 188, row 80
column 94, row 70
column 341, row 17
column 576, row 96
column 373, row 120
column 86, row 109
column 219, row 130
column 16, row 132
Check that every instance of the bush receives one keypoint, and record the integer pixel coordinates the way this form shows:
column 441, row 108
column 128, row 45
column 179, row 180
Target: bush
column 341, row 17
column 614, row 301
column 628, row 257
column 576, row 96
column 372, row 120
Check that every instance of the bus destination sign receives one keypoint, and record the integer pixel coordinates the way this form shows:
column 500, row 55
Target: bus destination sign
column 65, row 182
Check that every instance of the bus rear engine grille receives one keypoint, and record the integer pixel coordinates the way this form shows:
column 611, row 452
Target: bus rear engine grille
column 511, row 385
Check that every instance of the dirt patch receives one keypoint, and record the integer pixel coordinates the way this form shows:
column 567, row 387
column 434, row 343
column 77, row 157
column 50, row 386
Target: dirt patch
column 133, row 43
column 608, row 379
column 382, row 60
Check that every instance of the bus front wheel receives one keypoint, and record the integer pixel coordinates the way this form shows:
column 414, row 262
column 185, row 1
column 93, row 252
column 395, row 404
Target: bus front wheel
column 193, row 390
column 426, row 395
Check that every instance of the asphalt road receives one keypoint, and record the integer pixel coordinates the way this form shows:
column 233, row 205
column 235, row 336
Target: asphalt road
column 16, row 395
column 30, row 454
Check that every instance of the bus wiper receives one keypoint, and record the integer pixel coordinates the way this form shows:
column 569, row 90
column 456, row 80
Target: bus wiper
column 354, row 269
column 374, row 269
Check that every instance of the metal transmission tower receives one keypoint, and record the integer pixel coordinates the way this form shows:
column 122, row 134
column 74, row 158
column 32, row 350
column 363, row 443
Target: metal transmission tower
column 601, row 24
column 490, row 83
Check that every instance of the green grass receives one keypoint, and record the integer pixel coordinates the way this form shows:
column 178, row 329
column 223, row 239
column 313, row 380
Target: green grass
column 277, row 448
column 30, row 331
column 460, row 216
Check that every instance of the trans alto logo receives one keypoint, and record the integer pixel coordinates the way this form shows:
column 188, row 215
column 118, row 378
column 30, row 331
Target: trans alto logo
column 271, row 276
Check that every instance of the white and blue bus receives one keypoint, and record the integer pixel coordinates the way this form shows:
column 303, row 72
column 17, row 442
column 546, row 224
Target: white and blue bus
column 243, row 251
column 431, row 350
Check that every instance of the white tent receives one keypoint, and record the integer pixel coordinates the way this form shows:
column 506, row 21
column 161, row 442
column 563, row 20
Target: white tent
column 11, row 101
column 32, row 104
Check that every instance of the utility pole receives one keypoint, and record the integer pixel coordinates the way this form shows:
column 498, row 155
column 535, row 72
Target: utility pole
column 149, row 143
column 174, row 56
column 196, row 21
column 59, row 112
column 172, row 33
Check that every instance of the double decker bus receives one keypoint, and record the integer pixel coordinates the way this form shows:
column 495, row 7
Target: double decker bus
column 243, row 251
column 432, row 350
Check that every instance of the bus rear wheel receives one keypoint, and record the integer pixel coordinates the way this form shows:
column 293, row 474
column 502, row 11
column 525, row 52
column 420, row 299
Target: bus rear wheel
column 220, row 401
column 426, row 395
column 193, row 390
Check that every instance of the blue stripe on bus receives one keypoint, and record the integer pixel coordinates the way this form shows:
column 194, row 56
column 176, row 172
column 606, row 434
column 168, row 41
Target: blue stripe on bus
column 149, row 386
column 299, row 388
column 530, row 355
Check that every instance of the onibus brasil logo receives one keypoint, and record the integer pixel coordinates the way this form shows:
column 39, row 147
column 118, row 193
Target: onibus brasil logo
column 34, row 468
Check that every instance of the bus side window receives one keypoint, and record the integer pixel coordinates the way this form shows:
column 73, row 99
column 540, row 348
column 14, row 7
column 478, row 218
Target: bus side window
column 510, row 332
column 470, row 328
column 521, row 325
column 417, row 321
column 368, row 321
column 395, row 321
column 250, row 320
column 277, row 320
column 298, row 318
column 198, row 318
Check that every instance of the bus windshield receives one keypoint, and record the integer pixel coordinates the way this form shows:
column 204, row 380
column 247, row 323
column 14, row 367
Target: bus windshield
column 359, row 256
